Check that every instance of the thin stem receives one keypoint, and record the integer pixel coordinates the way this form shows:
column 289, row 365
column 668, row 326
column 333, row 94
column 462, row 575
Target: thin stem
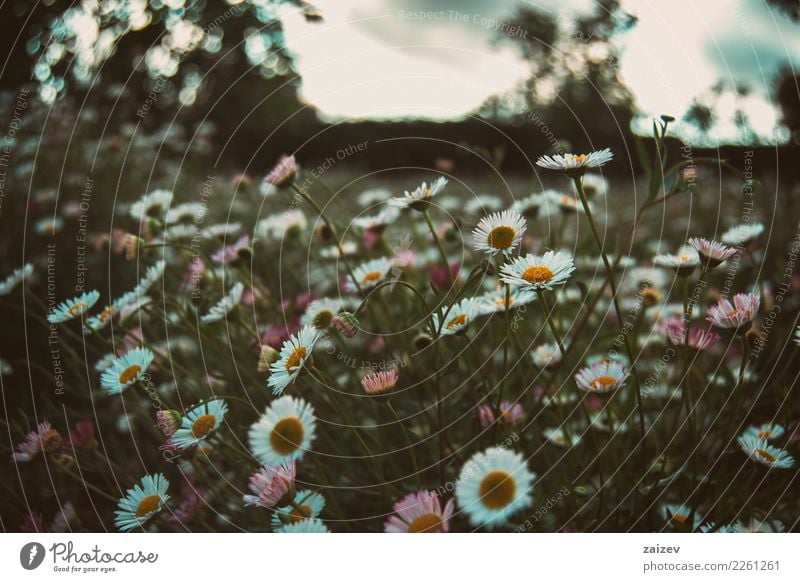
column 438, row 244
column 408, row 442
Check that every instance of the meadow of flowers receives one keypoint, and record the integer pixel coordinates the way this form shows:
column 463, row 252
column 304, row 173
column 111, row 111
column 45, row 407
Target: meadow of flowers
column 267, row 352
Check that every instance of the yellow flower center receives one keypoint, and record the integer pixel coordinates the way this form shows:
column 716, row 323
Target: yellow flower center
column 766, row 456
column 603, row 382
column 129, row 374
column 457, row 321
column 680, row 517
column 503, row 301
column 426, row 523
column 764, row 434
column 302, row 512
column 106, row 313
column 77, row 308
column 733, row 313
column 148, row 505
column 537, row 274
column 203, row 425
column 579, row 158
column 501, row 237
column 294, row 359
column 370, row 277
column 287, row 435
column 497, row 490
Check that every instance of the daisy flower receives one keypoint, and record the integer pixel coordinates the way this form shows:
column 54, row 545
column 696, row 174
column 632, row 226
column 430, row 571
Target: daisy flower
column 151, row 276
column 566, row 204
column 102, row 319
column 602, row 377
column 284, row 432
column 743, row 234
column 320, row 313
column 534, row 273
column 699, row 339
column 711, row 252
column 575, row 165
column 126, row 370
column 420, row 512
column 349, row 248
column 48, row 226
column 758, row 526
column 678, row 515
column 683, row 263
column 458, row 317
column 369, row 274
column 272, row 486
column 15, row 279
column 187, row 211
column 199, row 423
column 289, row 224
column 225, row 305
column 239, row 250
column 493, row 485
column 151, row 205
column 420, row 198
column 529, row 206
column 374, row 196
column 306, row 526
column 511, row 412
column 380, row 382
column 283, row 173
column 44, row 439
column 557, row 437
column 546, row 355
column 499, row 232
column 762, row 452
column 309, row 505
column 378, row 222
column 72, row 308
column 495, row 302
column 744, row 309
column 141, row 502
column 765, row 432
column 294, row 354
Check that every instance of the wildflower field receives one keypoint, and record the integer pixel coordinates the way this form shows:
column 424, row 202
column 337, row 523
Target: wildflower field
column 194, row 348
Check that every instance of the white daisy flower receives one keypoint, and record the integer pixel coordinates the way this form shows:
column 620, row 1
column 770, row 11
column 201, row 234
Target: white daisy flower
column 533, row 273
column 759, row 526
column 222, row 230
column 126, row 370
column 295, row 352
column 499, row 232
column 15, row 279
column 493, row 485
column 711, row 252
column 566, row 204
column 306, row 526
column 369, row 274
column 72, row 308
column 187, row 211
column 141, row 502
column 764, row 453
column 731, row 316
column 374, row 196
column 289, row 224
column 284, row 432
column 575, row 165
column 602, row 377
column 766, row 432
column 495, row 301
column 420, row 198
column 683, row 263
column 349, row 248
column 557, row 437
column 457, row 318
column 309, row 506
column 320, row 313
column 151, row 205
column 225, row 305
column 378, row 222
column 199, row 423
column 742, row 234
column 546, row 355
column 529, row 206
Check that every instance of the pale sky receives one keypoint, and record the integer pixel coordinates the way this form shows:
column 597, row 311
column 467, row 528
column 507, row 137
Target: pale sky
column 372, row 59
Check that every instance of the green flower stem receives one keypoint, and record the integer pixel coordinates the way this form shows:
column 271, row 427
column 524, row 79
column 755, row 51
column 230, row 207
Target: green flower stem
column 408, row 442
column 443, row 254
column 551, row 323
column 614, row 295
column 506, row 373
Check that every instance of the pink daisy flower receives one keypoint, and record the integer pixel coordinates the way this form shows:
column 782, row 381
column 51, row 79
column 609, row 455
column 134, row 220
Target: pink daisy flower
column 511, row 412
column 283, row 173
column 699, row 339
column 379, row 382
column 420, row 512
column 271, row 485
column 742, row 311
column 232, row 253
column 43, row 439
column 711, row 252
